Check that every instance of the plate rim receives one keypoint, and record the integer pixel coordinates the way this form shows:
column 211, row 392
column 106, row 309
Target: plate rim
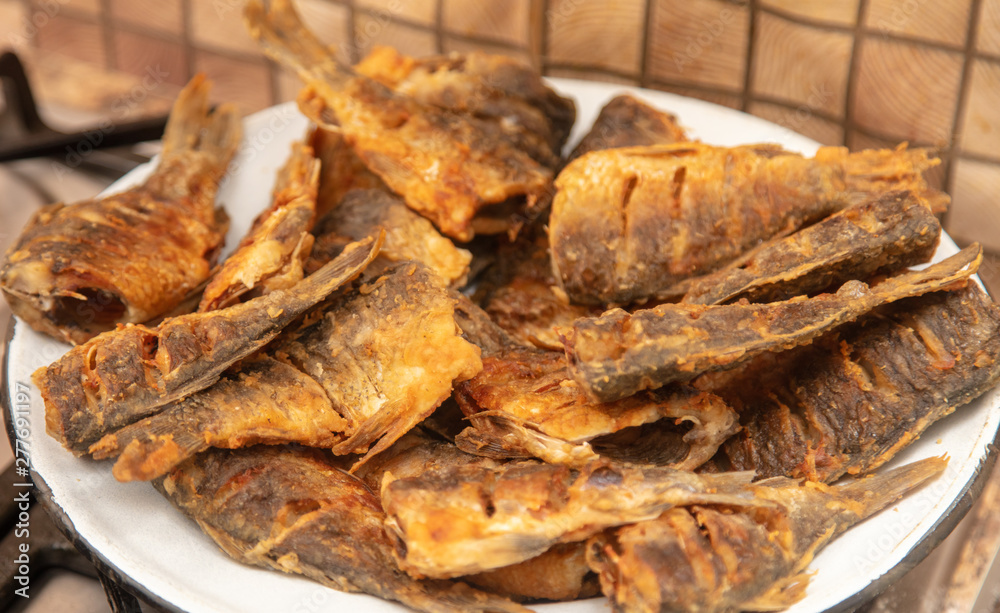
column 938, row 532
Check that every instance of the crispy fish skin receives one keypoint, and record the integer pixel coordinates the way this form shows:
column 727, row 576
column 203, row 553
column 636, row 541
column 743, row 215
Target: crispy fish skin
column 629, row 223
column 626, row 121
column 263, row 401
column 561, row 573
column 446, row 166
column 124, row 375
column 522, row 392
column 716, row 559
column 78, row 270
column 848, row 403
column 341, row 170
column 482, row 85
column 618, row 354
column 387, row 355
column 272, row 253
column 297, row 511
column 408, row 235
column 471, row 519
column 885, row 234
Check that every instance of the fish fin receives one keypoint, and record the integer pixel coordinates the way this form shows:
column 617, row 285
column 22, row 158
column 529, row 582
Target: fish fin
column 284, row 37
column 875, row 171
column 875, row 492
column 498, row 435
column 782, row 594
column 194, row 127
column 386, row 426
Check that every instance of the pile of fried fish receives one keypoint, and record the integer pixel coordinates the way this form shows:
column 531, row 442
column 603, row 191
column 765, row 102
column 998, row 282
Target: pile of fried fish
column 451, row 368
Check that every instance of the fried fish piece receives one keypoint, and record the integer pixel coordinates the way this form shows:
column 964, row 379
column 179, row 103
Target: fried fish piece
column 626, row 121
column 79, row 270
column 446, row 166
column 470, row 519
column 723, row 558
column 408, row 235
column 883, row 235
column 375, row 363
column 124, row 375
column 618, row 354
column 272, row 253
column 561, row 573
column 387, row 355
column 629, row 223
column 850, row 401
column 297, row 511
column 341, row 170
column 525, row 404
column 482, row 85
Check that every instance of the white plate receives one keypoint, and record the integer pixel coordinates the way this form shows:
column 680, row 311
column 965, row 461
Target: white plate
column 134, row 533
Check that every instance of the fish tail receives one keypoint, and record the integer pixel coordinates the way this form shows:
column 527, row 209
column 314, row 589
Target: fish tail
column 280, row 32
column 299, row 177
column 149, row 448
column 878, row 491
column 318, row 285
column 193, row 126
column 873, row 172
column 943, row 275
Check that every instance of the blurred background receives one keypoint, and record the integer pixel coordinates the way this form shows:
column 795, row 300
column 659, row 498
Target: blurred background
column 860, row 73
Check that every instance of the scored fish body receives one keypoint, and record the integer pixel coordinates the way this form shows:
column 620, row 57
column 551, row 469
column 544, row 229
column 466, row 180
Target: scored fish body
column 618, row 354
column 297, row 511
column 724, row 558
column 850, row 401
column 272, row 253
column 124, row 375
column 471, row 519
column 447, row 166
column 629, row 223
column 525, row 404
column 78, row 270
column 885, row 234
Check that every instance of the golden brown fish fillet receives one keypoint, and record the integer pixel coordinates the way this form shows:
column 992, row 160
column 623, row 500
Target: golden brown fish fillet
column 78, row 270
column 408, row 235
column 124, row 375
column 272, row 253
column 387, row 355
column 876, row 237
column 851, row 400
column 561, row 573
column 618, row 354
column 525, row 404
column 446, row 166
column 470, row 519
column 297, row 511
column 376, row 362
column 725, row 558
column 479, row 84
column 626, row 121
column 629, row 223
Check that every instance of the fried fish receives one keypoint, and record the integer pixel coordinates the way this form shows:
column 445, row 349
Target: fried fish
column 626, row 121
column 408, row 235
column 124, row 375
column 629, row 223
column 851, row 400
column 79, row 270
column 469, row 519
column 525, row 404
column 880, row 236
column 376, row 362
column 272, row 253
column 727, row 558
column 447, row 166
column 297, row 511
column 618, row 354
